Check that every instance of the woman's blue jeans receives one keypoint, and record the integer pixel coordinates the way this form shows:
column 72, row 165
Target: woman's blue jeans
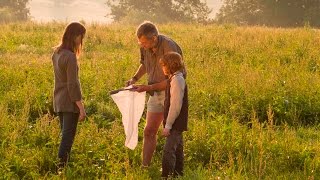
column 68, row 125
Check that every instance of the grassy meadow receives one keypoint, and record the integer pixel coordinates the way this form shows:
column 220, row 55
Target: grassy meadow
column 254, row 96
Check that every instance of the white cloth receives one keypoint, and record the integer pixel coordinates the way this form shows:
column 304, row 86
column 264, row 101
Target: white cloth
column 131, row 105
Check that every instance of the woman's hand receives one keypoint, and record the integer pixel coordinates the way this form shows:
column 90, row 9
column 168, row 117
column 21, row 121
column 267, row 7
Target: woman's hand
column 82, row 115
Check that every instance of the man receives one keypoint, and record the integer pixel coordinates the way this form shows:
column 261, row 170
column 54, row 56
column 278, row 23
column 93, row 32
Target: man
column 152, row 47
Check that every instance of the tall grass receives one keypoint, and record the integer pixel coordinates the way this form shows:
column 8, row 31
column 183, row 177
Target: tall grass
column 254, row 103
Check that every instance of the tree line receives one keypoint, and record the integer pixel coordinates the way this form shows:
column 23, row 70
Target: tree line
column 278, row 13
column 14, row 10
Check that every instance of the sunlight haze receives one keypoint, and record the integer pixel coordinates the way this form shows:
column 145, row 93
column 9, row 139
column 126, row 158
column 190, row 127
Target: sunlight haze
column 76, row 10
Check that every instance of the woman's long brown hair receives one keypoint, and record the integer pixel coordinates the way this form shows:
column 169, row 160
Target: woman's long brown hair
column 72, row 31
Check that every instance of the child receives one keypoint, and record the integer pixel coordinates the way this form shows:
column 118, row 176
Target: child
column 175, row 114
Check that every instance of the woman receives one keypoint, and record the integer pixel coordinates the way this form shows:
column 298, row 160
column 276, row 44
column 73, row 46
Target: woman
column 67, row 101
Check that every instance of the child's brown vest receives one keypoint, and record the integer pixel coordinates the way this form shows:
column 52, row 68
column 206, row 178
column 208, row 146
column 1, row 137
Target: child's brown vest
column 181, row 122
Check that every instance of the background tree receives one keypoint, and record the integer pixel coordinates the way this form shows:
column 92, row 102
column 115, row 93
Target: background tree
column 271, row 12
column 160, row 11
column 13, row 10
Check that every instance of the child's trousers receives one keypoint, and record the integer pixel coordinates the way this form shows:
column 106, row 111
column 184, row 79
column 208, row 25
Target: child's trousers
column 172, row 160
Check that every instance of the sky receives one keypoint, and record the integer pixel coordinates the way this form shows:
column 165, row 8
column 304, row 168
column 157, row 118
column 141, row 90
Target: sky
column 87, row 10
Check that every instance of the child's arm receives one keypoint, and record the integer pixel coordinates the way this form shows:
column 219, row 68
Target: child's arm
column 177, row 92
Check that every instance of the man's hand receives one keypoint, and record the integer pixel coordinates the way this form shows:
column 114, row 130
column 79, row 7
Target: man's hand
column 130, row 82
column 166, row 132
column 142, row 88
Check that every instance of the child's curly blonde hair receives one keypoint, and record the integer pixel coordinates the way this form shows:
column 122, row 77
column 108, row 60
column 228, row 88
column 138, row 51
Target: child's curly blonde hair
column 172, row 61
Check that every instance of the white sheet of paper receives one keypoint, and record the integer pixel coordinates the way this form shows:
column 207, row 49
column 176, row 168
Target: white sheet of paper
column 131, row 105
